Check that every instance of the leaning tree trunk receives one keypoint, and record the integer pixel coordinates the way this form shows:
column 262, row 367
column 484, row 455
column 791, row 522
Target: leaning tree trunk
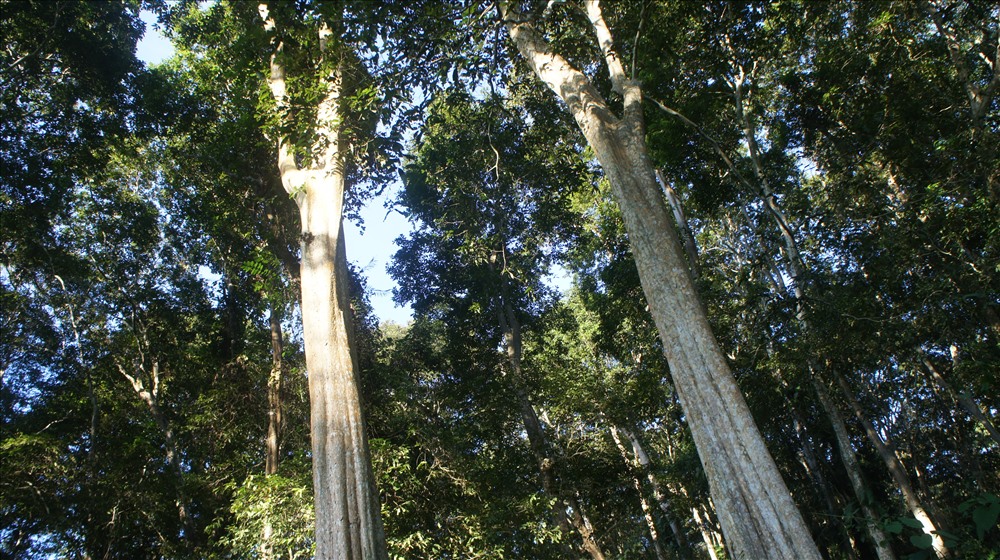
column 758, row 516
column 887, row 452
column 348, row 522
column 647, row 511
column 640, row 461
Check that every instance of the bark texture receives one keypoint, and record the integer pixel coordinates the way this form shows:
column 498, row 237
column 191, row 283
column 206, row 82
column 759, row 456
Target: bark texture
column 758, row 516
column 348, row 522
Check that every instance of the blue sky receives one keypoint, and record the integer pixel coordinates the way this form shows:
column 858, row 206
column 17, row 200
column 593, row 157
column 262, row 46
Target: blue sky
column 372, row 250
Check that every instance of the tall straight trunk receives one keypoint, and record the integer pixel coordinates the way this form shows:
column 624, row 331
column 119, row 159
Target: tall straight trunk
column 662, row 499
column 567, row 509
column 758, row 516
column 850, row 460
column 275, row 388
column 348, row 522
column 272, row 444
column 887, row 452
column 708, row 535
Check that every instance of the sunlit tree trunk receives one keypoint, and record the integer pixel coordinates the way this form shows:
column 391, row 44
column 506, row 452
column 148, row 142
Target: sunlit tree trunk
column 348, row 522
column 758, row 516
column 682, row 224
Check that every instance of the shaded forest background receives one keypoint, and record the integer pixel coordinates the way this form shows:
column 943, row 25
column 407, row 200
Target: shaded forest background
column 833, row 170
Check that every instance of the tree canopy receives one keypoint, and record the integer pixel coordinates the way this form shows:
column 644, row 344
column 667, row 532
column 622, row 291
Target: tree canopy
column 619, row 209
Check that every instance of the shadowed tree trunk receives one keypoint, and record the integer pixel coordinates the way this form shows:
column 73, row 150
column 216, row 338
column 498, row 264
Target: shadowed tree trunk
column 887, row 452
column 272, row 445
column 275, row 386
column 641, row 462
column 567, row 509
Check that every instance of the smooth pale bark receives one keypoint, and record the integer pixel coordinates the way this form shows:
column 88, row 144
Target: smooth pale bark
column 348, row 522
column 647, row 512
column 707, row 534
column 640, row 461
column 850, row 460
column 757, row 513
column 682, row 225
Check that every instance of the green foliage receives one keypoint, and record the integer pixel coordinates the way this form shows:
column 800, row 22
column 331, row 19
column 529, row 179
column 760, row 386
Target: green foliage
column 142, row 222
column 283, row 502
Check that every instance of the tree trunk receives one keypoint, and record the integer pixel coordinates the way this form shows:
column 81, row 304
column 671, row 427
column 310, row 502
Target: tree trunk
column 275, row 387
column 850, row 461
column 887, row 453
column 662, row 499
column 567, row 509
column 796, row 271
column 654, row 534
column 348, row 522
column 682, row 225
column 963, row 399
column 758, row 516
column 707, row 534
column 272, row 445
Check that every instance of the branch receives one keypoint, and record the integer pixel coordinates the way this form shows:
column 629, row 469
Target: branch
column 629, row 89
column 701, row 132
column 638, row 33
column 276, row 83
column 606, row 44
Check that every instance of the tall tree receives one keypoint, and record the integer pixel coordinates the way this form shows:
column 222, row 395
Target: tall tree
column 348, row 521
column 758, row 515
column 489, row 209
